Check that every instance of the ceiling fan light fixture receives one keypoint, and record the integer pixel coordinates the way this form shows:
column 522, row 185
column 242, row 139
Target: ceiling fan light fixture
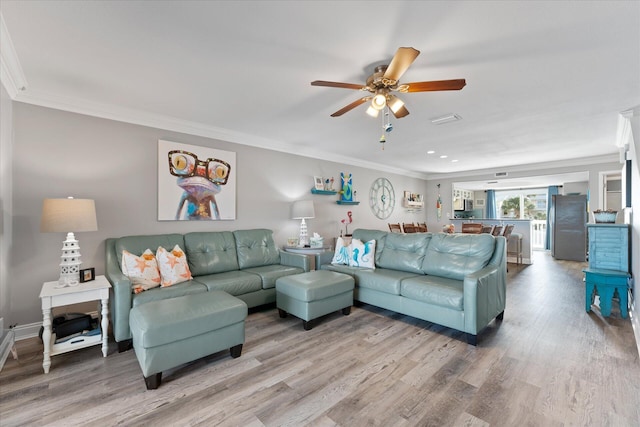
column 395, row 104
column 379, row 101
column 372, row 111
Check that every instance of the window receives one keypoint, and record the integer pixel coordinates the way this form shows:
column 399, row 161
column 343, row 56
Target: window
column 530, row 203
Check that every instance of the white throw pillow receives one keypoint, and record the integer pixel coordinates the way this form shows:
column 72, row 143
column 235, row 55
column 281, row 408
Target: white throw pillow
column 173, row 266
column 362, row 254
column 342, row 254
column 141, row 270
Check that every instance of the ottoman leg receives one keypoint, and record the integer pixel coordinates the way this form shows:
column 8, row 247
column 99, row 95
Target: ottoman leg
column 153, row 381
column 306, row 325
column 346, row 311
column 282, row 313
column 235, row 351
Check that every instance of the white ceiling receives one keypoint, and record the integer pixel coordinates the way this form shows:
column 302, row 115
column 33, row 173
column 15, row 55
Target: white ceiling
column 546, row 81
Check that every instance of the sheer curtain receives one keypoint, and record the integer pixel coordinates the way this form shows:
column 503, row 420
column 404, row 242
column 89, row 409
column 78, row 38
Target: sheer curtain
column 491, row 204
column 551, row 191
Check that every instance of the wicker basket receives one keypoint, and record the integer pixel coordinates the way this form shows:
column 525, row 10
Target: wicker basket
column 605, row 217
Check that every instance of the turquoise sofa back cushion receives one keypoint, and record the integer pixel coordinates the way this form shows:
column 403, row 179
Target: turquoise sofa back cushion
column 211, row 252
column 256, row 248
column 404, row 252
column 138, row 244
column 365, row 235
column 456, row 255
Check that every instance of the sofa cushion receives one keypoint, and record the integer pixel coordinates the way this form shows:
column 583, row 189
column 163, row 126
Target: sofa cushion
column 270, row 273
column 434, row 290
column 456, row 255
column 404, row 251
column 211, row 252
column 178, row 290
column 234, row 282
column 382, row 279
column 256, row 248
column 138, row 244
column 366, row 235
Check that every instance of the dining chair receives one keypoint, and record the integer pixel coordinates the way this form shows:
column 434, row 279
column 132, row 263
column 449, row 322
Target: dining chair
column 487, row 229
column 471, row 227
column 497, row 230
column 395, row 228
column 421, row 227
column 409, row 228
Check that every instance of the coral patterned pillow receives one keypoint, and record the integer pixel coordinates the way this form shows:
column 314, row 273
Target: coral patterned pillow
column 141, row 270
column 173, row 266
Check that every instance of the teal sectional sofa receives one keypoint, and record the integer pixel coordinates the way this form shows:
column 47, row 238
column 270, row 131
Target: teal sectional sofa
column 243, row 263
column 454, row 280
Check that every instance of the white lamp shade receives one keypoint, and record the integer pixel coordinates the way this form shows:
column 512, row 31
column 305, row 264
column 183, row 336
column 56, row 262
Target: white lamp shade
column 302, row 209
column 65, row 215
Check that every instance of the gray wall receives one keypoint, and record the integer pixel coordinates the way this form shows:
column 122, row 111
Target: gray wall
column 60, row 154
column 6, row 142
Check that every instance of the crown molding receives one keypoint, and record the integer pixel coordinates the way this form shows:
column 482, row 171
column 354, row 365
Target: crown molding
column 537, row 167
column 138, row 117
column 11, row 73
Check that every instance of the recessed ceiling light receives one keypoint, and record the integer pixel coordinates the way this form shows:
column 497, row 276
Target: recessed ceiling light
column 430, row 152
column 444, row 156
column 446, row 119
column 454, row 160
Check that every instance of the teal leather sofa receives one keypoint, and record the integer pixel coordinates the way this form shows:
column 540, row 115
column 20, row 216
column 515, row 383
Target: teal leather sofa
column 454, row 280
column 243, row 263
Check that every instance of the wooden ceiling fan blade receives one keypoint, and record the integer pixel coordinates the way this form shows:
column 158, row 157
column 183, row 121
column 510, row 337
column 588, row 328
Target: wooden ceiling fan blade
column 337, row 84
column 400, row 112
column 351, row 106
column 436, row 85
column 401, row 61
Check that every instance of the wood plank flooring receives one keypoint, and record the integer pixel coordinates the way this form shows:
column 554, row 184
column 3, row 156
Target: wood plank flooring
column 548, row 363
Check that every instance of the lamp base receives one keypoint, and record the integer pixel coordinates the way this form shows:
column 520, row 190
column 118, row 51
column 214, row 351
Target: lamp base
column 303, row 239
column 70, row 265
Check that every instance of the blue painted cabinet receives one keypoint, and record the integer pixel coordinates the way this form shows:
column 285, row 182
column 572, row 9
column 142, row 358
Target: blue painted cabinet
column 609, row 246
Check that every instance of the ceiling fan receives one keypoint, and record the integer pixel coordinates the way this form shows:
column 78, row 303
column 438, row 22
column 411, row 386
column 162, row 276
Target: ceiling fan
column 386, row 79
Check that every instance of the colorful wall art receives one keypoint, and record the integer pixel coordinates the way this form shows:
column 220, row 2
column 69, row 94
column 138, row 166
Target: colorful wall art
column 195, row 183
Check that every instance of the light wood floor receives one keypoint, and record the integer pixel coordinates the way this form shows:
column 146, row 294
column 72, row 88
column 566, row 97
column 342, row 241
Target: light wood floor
column 547, row 364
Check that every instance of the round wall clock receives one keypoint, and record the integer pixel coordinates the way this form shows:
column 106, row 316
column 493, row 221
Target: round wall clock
column 382, row 198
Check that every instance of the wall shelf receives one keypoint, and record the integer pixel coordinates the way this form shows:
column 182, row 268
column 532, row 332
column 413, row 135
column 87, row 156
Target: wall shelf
column 341, row 202
column 324, row 192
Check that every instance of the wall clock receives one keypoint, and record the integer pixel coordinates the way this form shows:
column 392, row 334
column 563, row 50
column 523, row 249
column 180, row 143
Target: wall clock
column 382, row 198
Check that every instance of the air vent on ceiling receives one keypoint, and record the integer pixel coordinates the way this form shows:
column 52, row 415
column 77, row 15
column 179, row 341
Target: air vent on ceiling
column 499, row 174
column 446, row 119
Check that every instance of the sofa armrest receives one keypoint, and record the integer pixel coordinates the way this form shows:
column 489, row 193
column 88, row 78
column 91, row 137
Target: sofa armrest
column 323, row 258
column 295, row 260
column 120, row 298
column 484, row 296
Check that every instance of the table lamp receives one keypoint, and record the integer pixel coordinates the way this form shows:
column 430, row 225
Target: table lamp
column 62, row 215
column 303, row 209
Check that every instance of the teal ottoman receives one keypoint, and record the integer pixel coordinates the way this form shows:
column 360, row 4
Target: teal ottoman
column 170, row 332
column 314, row 294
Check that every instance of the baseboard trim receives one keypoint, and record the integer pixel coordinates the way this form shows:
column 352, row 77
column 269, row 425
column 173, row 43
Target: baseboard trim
column 635, row 325
column 32, row 330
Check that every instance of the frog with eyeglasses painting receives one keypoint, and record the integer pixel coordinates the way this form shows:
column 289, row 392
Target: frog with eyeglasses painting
column 201, row 180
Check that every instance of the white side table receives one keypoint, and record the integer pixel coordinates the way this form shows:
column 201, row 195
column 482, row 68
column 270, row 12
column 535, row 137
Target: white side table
column 52, row 295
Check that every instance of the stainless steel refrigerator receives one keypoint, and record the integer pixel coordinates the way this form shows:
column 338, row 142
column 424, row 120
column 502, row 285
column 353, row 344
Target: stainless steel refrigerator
column 568, row 222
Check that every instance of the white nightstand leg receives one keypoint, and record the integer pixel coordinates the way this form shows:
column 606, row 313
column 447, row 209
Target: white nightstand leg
column 105, row 326
column 46, row 338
